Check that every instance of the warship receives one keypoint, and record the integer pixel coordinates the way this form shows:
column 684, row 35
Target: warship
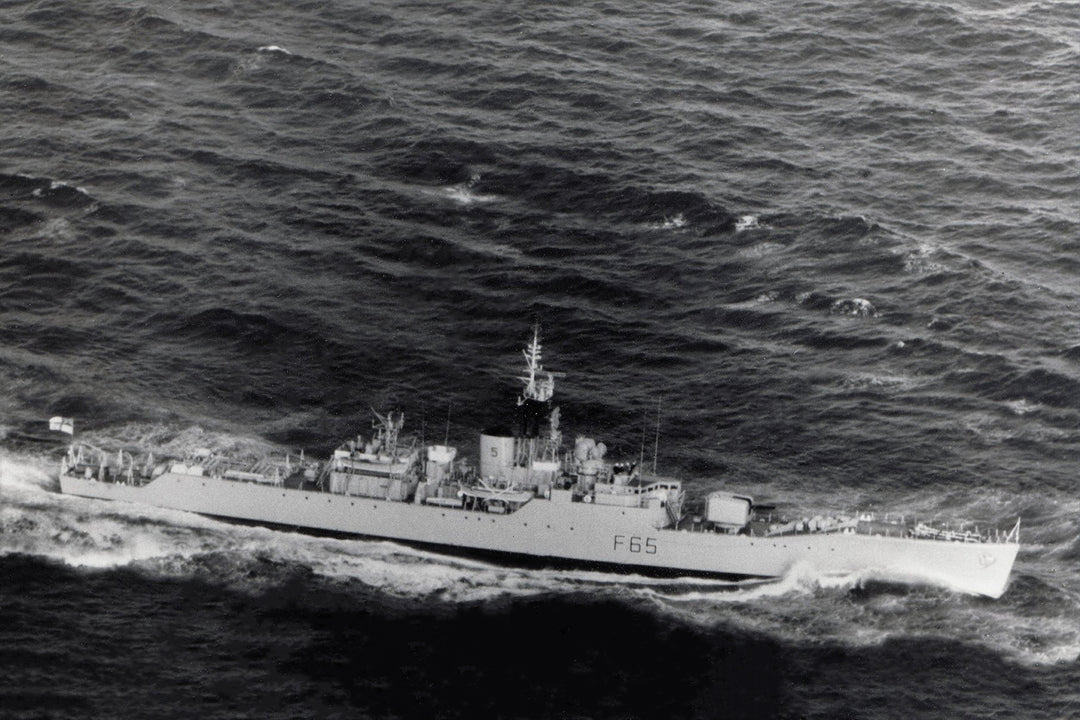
column 532, row 499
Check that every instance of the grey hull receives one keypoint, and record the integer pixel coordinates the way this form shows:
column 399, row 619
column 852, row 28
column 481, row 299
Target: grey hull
column 630, row 538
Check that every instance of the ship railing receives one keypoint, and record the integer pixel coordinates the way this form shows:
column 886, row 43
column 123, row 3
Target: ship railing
column 766, row 522
column 98, row 464
column 269, row 469
column 965, row 531
column 884, row 525
column 819, row 524
column 1013, row 535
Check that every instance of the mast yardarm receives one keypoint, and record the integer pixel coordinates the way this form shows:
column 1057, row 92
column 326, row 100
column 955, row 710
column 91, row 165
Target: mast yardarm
column 539, row 390
column 534, row 403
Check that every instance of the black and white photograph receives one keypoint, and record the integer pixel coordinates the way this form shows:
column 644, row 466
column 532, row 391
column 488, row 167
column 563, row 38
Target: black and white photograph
column 636, row 360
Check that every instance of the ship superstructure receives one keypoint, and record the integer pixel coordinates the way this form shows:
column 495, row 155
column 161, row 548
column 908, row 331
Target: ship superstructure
column 532, row 497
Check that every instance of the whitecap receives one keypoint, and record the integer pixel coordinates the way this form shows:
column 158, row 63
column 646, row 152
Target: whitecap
column 869, row 380
column 761, row 250
column 59, row 228
column 274, row 49
column 59, row 184
column 919, row 262
column 464, row 195
column 1022, row 407
column 746, row 222
column 674, row 222
column 859, row 307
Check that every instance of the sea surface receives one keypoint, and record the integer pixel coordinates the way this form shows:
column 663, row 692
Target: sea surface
column 829, row 250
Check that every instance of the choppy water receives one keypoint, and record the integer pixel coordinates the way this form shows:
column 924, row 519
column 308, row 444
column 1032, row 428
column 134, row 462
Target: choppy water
column 838, row 241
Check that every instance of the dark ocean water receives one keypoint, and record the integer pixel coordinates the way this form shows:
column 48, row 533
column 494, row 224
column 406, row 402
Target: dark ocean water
column 838, row 242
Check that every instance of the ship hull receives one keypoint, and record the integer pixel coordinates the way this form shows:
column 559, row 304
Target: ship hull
column 579, row 533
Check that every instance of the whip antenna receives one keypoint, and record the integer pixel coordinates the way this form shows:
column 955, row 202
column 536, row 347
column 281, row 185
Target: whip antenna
column 656, row 443
column 644, row 429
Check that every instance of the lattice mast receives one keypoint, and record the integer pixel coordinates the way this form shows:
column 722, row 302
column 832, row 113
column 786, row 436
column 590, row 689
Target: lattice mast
column 534, row 405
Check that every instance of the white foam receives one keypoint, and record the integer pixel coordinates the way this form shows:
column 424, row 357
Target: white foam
column 801, row 579
column 59, row 228
column 274, row 49
column 859, row 307
column 464, row 195
column 898, row 383
column 761, row 250
column 1022, row 406
column 747, row 222
column 672, row 223
column 23, row 475
column 57, row 185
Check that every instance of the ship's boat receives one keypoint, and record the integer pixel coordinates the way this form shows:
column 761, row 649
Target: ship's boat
column 530, row 497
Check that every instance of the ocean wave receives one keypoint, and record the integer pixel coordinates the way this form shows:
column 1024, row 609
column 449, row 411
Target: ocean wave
column 465, row 195
column 14, row 218
column 690, row 208
column 747, row 222
column 882, row 382
column 1040, row 385
column 859, row 307
column 442, row 160
column 47, row 191
column 868, row 610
